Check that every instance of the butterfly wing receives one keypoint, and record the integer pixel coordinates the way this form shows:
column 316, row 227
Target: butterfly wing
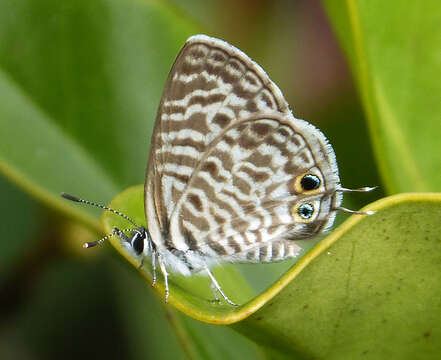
column 210, row 86
column 247, row 190
column 201, row 192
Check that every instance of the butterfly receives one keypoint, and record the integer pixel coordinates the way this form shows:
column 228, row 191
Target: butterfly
column 232, row 176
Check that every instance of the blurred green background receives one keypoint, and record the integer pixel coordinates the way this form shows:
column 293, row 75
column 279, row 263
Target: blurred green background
column 80, row 82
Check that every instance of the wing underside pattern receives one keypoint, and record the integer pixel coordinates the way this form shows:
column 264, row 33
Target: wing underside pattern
column 243, row 193
column 226, row 153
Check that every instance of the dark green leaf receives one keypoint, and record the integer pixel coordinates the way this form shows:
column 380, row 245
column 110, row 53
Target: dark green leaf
column 80, row 82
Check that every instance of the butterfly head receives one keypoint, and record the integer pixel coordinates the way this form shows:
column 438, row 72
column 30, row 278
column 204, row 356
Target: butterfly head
column 138, row 242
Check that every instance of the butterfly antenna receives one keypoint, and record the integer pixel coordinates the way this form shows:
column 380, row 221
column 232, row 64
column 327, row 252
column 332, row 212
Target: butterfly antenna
column 90, row 244
column 75, row 199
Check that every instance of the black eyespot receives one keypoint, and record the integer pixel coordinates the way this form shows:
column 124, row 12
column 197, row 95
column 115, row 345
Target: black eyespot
column 305, row 211
column 137, row 243
column 310, row 182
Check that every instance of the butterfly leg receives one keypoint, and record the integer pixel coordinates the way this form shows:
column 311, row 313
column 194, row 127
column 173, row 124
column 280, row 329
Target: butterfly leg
column 216, row 285
column 164, row 273
column 154, row 266
column 214, row 291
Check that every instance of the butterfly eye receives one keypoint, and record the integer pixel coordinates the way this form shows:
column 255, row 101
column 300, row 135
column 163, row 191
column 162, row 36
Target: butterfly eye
column 137, row 243
column 305, row 211
column 310, row 182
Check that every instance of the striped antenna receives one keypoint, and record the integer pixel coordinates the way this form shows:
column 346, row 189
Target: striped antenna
column 90, row 244
column 76, row 199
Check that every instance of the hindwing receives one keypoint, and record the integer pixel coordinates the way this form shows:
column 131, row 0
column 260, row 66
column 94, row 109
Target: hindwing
column 246, row 190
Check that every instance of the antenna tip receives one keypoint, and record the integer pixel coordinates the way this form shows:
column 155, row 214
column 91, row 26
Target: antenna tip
column 370, row 212
column 90, row 244
column 70, row 197
column 369, row 188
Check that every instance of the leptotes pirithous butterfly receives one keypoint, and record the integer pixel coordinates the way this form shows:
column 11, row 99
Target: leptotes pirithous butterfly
column 232, row 175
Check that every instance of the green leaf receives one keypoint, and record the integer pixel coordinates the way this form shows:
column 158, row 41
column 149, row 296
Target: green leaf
column 214, row 342
column 80, row 82
column 150, row 332
column 370, row 288
column 393, row 50
column 19, row 225
column 65, row 316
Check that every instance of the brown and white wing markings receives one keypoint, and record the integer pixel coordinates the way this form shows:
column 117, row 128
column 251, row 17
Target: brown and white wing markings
column 216, row 98
column 245, row 192
column 211, row 85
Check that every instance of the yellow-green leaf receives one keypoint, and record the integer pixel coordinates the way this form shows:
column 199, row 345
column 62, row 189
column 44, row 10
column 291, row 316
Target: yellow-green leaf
column 370, row 288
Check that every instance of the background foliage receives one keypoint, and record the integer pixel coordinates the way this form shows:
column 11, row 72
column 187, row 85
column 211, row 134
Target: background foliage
column 80, row 82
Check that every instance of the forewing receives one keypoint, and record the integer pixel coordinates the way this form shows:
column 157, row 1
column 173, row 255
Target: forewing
column 211, row 86
column 246, row 189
